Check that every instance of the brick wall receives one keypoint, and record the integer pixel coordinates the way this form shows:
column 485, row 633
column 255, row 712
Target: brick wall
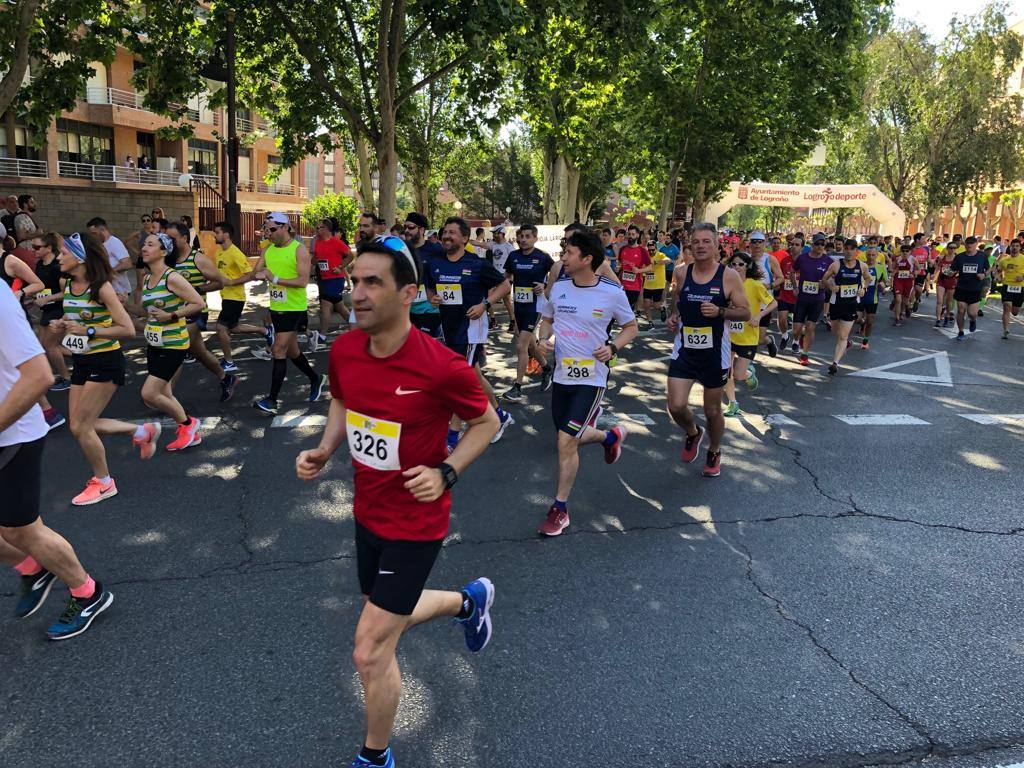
column 67, row 209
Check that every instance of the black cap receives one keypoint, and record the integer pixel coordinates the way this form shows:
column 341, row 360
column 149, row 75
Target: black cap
column 970, row 240
column 418, row 219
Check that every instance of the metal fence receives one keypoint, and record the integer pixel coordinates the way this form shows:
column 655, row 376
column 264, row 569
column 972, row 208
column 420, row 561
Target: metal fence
column 15, row 166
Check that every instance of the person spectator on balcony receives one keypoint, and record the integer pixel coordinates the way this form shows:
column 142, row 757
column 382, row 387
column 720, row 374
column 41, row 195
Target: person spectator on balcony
column 193, row 234
column 120, row 259
column 12, row 210
column 144, row 163
column 129, row 162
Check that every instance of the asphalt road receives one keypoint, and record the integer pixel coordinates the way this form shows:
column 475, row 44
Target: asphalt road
column 844, row 595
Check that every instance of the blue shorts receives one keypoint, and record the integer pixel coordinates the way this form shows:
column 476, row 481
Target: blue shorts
column 332, row 290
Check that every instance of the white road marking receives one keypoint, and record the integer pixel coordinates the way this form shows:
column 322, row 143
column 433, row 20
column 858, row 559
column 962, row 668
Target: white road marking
column 639, row 418
column 781, row 420
column 952, row 332
column 987, row 418
column 882, row 420
column 207, row 423
column 942, row 378
column 298, row 420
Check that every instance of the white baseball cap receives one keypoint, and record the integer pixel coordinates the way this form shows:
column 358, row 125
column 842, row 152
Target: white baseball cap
column 278, row 218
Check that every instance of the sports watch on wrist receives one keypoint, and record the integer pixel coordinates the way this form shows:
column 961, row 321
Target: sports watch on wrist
column 90, row 331
column 448, row 473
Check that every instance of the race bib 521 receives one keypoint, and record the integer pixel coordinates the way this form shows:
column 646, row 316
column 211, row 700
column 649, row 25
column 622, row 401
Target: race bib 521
column 373, row 442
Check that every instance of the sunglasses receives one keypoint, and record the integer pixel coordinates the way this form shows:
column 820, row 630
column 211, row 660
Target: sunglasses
column 739, row 265
column 271, row 229
column 38, row 247
column 146, row 219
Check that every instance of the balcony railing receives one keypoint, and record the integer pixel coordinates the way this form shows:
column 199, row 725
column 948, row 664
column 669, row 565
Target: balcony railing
column 277, row 188
column 244, row 124
column 248, row 125
column 15, row 166
column 132, row 100
column 121, row 175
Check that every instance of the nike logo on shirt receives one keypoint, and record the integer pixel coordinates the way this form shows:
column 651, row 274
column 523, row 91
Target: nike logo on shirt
column 400, row 391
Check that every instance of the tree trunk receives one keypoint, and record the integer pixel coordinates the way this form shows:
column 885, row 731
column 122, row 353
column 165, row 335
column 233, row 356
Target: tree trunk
column 550, row 200
column 668, row 195
column 17, row 65
column 572, row 194
column 700, row 203
column 421, row 188
column 363, row 170
column 583, row 208
column 387, row 174
column 840, row 217
column 562, row 179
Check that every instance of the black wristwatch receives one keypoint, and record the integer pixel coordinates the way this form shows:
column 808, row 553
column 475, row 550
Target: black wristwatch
column 90, row 331
column 487, row 303
column 448, row 473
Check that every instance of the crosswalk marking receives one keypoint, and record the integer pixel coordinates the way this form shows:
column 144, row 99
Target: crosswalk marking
column 781, row 420
column 988, row 418
column 881, row 419
column 298, row 419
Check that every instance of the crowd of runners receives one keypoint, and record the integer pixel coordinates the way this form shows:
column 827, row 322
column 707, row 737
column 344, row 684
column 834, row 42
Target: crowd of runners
column 408, row 314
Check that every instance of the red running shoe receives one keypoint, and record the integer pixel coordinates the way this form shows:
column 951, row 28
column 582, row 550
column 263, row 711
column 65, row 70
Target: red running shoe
column 691, row 446
column 554, row 523
column 613, row 452
column 713, row 465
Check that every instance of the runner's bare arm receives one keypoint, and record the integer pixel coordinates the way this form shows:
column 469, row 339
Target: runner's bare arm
column 303, row 266
column 606, row 271
column 214, row 279
column 309, row 463
column 35, row 377
column 830, row 273
column 738, row 308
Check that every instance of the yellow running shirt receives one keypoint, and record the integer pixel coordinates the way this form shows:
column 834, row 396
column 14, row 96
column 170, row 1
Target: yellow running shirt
column 746, row 333
column 232, row 264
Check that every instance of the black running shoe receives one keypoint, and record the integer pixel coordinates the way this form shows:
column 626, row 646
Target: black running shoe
column 34, row 591
column 546, row 377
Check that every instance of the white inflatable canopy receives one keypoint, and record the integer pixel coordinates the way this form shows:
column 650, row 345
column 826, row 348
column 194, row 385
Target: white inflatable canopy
column 890, row 217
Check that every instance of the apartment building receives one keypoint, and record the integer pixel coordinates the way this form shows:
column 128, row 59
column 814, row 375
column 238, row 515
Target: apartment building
column 105, row 158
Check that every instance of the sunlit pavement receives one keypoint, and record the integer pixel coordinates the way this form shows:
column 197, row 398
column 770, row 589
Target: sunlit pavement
column 846, row 593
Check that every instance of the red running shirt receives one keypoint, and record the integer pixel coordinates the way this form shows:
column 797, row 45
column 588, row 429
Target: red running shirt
column 787, row 292
column 328, row 255
column 397, row 416
column 631, row 259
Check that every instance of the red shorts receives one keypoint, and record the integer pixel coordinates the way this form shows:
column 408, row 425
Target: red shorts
column 947, row 282
column 903, row 287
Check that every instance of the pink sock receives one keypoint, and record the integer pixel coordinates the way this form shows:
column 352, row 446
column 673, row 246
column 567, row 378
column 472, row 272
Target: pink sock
column 86, row 590
column 28, row 567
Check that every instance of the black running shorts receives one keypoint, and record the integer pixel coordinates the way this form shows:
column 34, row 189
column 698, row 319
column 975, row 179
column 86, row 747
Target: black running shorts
column 428, row 322
column 288, row 322
column 20, row 481
column 230, row 313
column 99, row 367
column 574, row 407
column 843, row 310
column 967, row 297
column 807, row 311
column 163, row 363
column 392, row 574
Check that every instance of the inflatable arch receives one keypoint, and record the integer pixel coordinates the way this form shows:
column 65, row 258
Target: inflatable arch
column 890, row 217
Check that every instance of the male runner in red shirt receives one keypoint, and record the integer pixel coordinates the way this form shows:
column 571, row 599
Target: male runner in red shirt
column 394, row 389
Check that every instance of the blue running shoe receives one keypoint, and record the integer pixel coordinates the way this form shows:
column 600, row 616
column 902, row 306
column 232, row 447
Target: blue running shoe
column 54, row 420
column 228, row 366
column 271, row 335
column 266, row 405
column 60, row 384
column 478, row 625
column 34, row 591
column 317, row 390
column 974, row 325
column 504, row 423
column 362, row 762
column 79, row 614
